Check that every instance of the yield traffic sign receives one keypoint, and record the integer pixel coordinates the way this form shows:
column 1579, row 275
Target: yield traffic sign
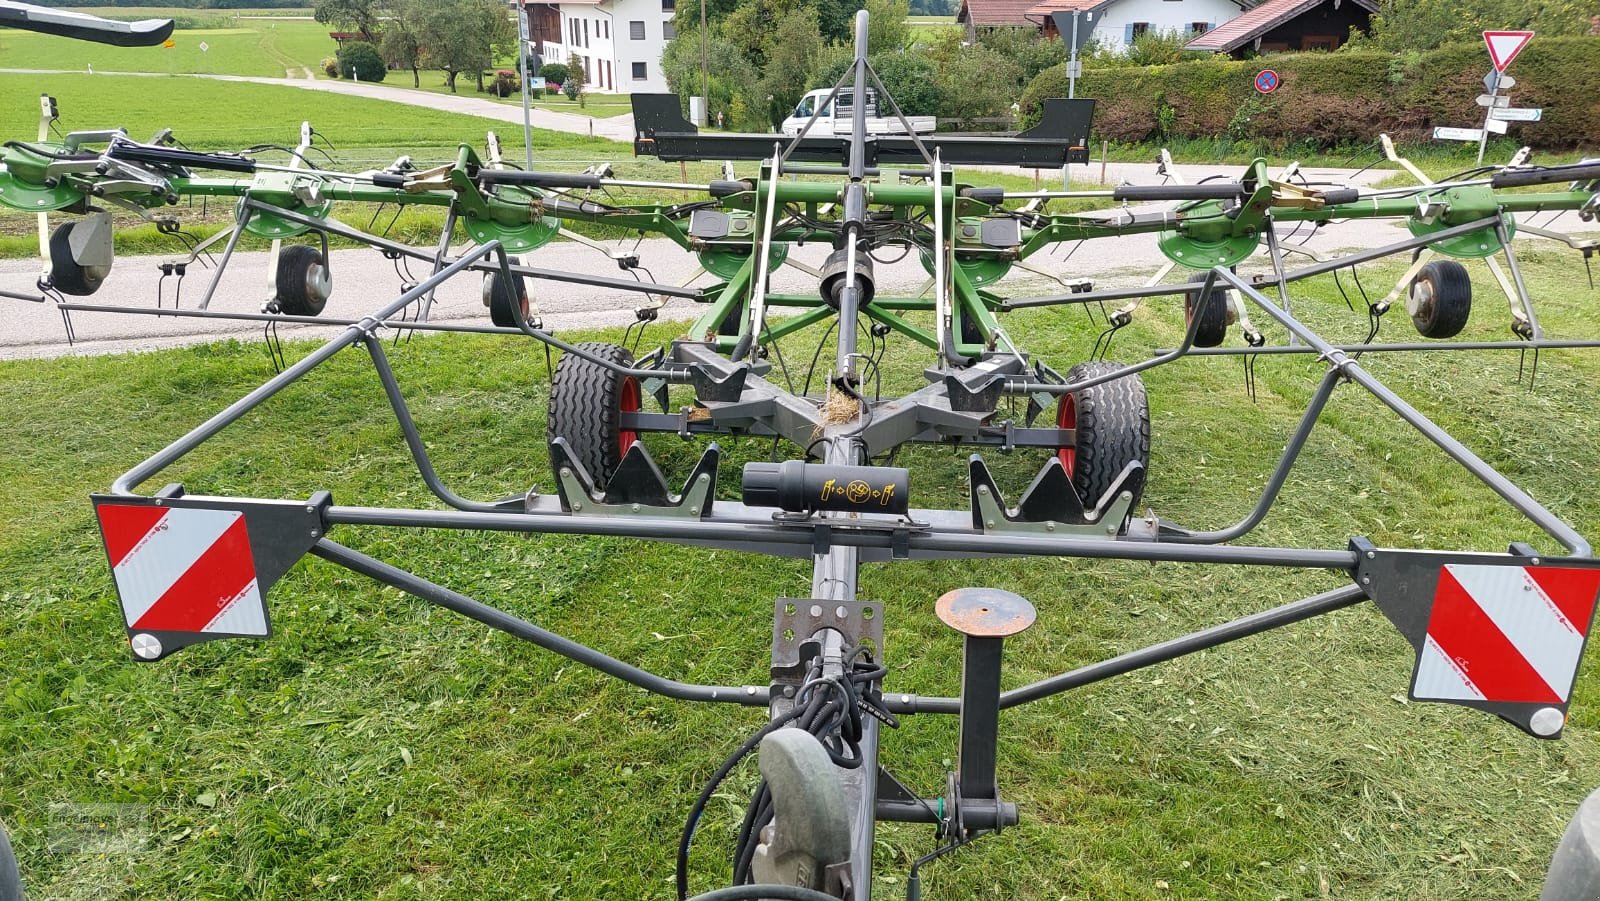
column 1505, row 45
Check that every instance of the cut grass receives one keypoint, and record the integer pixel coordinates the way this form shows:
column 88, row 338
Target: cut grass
column 378, row 747
column 234, row 47
column 215, row 115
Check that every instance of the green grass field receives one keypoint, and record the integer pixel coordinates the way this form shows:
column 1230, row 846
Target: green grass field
column 377, row 747
column 235, row 47
column 209, row 114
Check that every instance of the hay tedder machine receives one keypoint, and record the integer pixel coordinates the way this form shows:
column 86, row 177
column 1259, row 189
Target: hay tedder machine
column 1498, row 631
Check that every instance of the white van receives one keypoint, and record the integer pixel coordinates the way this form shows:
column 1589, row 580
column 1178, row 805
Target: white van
column 835, row 118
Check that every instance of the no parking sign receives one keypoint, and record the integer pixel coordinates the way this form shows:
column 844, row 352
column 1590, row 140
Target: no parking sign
column 1266, row 81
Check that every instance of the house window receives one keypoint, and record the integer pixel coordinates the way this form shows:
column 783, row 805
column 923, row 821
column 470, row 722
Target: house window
column 639, row 72
column 1199, row 27
column 668, row 5
column 667, row 31
column 635, row 31
column 585, row 32
column 1139, row 28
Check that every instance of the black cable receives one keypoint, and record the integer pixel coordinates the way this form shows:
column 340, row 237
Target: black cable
column 705, row 798
column 818, row 356
column 836, row 722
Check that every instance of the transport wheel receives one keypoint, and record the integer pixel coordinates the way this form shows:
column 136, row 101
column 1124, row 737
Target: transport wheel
column 10, row 878
column 1213, row 319
column 303, row 280
column 1441, row 298
column 65, row 274
column 587, row 401
column 499, row 293
column 1113, row 425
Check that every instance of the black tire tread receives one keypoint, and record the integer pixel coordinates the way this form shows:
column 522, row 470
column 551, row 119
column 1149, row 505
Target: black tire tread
column 66, row 275
column 1452, row 299
column 1214, row 319
column 294, row 260
column 1113, row 428
column 585, row 409
column 10, row 877
column 502, row 296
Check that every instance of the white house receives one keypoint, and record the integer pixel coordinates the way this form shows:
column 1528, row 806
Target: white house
column 1116, row 22
column 619, row 41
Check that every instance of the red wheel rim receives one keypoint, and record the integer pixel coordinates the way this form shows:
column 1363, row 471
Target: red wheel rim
column 1067, row 418
column 628, row 403
column 522, row 302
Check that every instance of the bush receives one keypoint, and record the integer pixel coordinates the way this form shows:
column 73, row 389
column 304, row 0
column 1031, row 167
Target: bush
column 361, row 61
column 505, row 83
column 330, row 66
column 554, row 73
column 1330, row 99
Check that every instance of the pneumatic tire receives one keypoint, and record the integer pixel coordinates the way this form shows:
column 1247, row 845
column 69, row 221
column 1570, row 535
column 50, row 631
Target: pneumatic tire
column 1213, row 319
column 587, row 401
column 1441, row 296
column 10, row 877
column 1113, row 428
column 501, row 294
column 66, row 275
column 303, row 283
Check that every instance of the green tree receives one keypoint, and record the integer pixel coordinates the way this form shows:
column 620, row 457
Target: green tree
column 361, row 61
column 732, row 77
column 1425, row 24
column 795, row 43
column 1029, row 49
column 555, row 73
column 357, row 15
column 887, row 30
column 400, row 44
column 577, row 76
column 974, row 81
column 911, row 81
column 461, row 36
column 1158, row 47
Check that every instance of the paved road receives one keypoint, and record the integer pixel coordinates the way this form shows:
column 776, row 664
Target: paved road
column 363, row 279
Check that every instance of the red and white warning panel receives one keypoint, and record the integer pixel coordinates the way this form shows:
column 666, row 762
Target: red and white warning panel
column 183, row 570
column 1506, row 633
column 1502, row 633
column 194, row 569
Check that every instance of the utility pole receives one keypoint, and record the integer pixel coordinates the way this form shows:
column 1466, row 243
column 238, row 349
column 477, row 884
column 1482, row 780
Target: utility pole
column 705, row 66
column 522, row 55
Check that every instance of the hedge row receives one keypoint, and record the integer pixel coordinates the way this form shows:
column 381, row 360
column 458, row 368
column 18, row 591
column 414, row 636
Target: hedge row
column 1338, row 98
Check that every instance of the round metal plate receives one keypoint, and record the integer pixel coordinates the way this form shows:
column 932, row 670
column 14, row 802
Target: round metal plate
column 985, row 612
column 269, row 225
column 515, row 238
column 726, row 264
column 980, row 271
column 1196, row 254
column 1471, row 246
column 35, row 198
